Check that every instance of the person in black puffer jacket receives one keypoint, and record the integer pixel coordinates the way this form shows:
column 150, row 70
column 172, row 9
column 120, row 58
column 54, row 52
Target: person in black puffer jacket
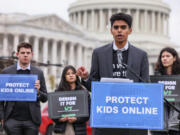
column 168, row 64
column 70, row 125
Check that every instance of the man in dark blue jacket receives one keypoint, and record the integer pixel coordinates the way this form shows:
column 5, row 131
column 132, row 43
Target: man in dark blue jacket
column 24, row 118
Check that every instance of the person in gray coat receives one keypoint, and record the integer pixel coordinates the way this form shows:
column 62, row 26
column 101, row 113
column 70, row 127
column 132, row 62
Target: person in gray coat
column 119, row 59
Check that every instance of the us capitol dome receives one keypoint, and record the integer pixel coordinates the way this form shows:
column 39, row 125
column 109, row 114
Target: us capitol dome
column 150, row 22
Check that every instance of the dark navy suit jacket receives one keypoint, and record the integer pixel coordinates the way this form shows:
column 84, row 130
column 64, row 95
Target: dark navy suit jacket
column 101, row 66
column 102, row 60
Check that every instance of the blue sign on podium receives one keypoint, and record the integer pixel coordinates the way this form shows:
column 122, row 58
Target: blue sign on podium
column 16, row 87
column 127, row 105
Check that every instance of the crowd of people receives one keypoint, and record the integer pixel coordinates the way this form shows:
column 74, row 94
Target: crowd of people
column 113, row 60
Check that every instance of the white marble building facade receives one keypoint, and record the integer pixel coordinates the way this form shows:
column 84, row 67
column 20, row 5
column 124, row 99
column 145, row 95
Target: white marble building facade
column 58, row 42
column 54, row 41
column 149, row 16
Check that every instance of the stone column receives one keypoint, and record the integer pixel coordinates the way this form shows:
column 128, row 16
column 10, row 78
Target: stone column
column 90, row 51
column 162, row 24
column 26, row 39
column 92, row 19
column 79, row 56
column 63, row 53
column 101, row 27
column 16, row 42
column 54, row 52
column 146, row 24
column 75, row 18
column 153, row 22
column 71, row 17
column 119, row 10
column 36, row 48
column 5, row 45
column 151, row 69
column 87, row 60
column 71, row 54
column 54, row 59
column 85, row 57
column 167, row 25
column 85, row 19
column 137, row 21
column 128, row 11
column 109, row 16
column 45, row 55
column 159, row 22
column 79, row 17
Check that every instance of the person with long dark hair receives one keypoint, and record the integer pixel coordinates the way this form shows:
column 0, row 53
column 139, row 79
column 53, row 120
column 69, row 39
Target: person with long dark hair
column 168, row 64
column 70, row 125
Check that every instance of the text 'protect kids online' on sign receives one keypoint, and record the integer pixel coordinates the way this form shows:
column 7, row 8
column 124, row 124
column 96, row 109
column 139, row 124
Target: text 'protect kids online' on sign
column 127, row 105
column 15, row 87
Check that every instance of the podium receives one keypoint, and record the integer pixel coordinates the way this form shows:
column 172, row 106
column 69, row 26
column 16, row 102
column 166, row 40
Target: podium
column 126, row 108
column 111, row 131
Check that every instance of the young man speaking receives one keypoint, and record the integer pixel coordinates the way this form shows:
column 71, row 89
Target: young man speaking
column 117, row 60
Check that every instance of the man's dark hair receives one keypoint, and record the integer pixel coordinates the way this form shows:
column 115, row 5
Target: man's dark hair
column 24, row 45
column 121, row 16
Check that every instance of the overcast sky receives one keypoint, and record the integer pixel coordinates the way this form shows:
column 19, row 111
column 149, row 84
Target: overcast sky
column 60, row 7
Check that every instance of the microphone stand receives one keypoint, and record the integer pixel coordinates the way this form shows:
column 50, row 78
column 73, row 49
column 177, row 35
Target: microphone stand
column 142, row 80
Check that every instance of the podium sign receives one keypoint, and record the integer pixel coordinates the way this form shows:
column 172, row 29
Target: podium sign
column 127, row 105
column 16, row 87
column 68, row 103
column 171, row 86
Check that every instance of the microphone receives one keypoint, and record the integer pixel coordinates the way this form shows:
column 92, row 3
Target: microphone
column 133, row 72
column 142, row 80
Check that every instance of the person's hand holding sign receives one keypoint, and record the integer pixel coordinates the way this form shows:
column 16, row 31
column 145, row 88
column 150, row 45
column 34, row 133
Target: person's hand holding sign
column 63, row 119
column 69, row 119
column 72, row 119
column 37, row 85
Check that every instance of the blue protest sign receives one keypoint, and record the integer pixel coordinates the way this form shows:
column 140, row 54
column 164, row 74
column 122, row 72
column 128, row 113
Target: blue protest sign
column 127, row 105
column 16, row 87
